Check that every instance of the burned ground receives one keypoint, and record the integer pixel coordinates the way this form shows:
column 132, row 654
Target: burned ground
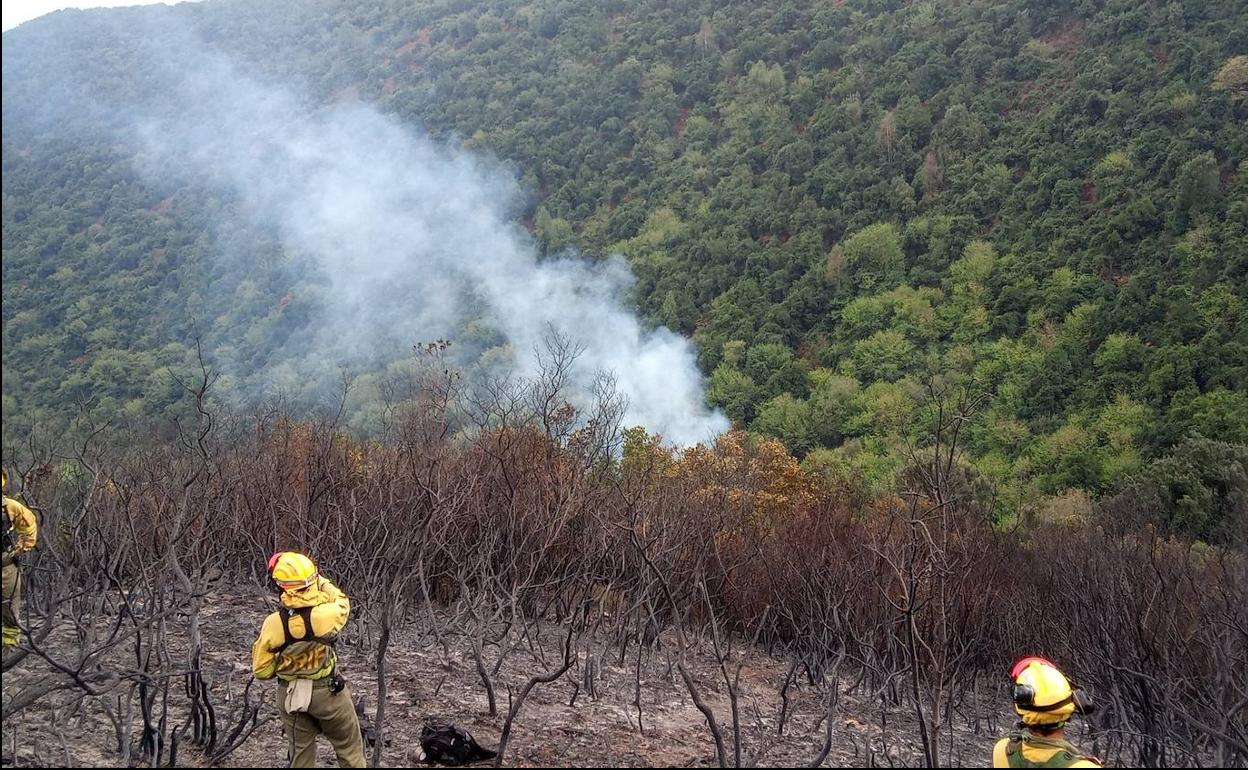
column 560, row 725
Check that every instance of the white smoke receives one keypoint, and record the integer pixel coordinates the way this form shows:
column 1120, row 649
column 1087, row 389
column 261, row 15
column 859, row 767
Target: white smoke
column 414, row 239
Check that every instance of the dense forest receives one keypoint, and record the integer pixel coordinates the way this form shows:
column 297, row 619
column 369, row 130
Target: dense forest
column 837, row 201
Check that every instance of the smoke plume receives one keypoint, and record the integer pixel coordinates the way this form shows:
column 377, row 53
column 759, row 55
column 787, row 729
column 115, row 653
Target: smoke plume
column 407, row 240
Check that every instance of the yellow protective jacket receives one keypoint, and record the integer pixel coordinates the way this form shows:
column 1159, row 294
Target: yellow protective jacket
column 1031, row 750
column 25, row 529
column 287, row 648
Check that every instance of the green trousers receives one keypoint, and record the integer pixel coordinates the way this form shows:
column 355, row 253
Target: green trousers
column 332, row 714
column 12, row 603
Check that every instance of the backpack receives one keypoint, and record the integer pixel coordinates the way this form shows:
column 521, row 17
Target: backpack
column 449, row 744
column 309, row 635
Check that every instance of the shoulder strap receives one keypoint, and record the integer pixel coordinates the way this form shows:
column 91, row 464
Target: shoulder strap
column 309, row 635
column 1059, row 758
column 7, row 525
column 1064, row 756
column 1014, row 752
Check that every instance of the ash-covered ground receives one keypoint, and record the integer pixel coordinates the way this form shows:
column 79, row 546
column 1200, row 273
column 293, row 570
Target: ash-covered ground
column 561, row 724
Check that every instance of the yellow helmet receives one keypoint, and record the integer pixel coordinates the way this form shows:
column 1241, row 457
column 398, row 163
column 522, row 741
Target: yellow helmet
column 1042, row 694
column 292, row 571
column 4, row 480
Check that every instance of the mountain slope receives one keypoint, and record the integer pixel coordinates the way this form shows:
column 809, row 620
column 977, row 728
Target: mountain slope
column 834, row 200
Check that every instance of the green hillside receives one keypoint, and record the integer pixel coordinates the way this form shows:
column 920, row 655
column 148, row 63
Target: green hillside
column 835, row 200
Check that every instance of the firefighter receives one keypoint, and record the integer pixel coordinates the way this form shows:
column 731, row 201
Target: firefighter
column 1045, row 701
column 296, row 645
column 21, row 531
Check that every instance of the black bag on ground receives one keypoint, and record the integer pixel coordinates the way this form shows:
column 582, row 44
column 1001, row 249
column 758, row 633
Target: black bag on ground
column 449, row 744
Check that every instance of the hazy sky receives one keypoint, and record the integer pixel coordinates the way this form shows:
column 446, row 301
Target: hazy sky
column 17, row 11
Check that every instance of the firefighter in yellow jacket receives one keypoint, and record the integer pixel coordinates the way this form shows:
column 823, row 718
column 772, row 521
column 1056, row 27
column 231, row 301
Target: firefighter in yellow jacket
column 21, row 531
column 296, row 645
column 1045, row 701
